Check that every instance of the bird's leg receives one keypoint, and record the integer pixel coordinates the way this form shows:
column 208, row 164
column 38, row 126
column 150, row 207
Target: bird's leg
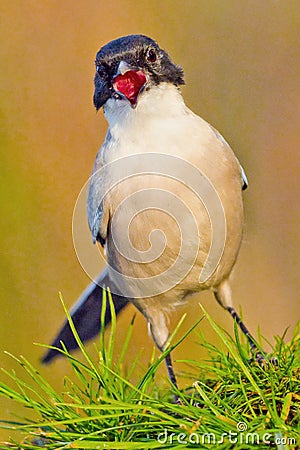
column 172, row 376
column 158, row 327
column 223, row 297
column 258, row 355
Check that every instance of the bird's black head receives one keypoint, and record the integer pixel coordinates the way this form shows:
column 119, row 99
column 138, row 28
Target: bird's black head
column 125, row 66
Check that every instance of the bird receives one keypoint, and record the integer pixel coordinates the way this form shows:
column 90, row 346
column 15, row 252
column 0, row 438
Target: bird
column 164, row 199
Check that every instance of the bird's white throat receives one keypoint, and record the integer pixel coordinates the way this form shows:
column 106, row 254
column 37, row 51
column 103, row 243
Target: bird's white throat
column 160, row 101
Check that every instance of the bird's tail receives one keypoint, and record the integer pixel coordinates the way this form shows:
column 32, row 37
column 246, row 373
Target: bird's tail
column 86, row 315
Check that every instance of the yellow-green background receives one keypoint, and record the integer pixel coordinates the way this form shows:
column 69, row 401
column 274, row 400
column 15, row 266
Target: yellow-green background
column 242, row 65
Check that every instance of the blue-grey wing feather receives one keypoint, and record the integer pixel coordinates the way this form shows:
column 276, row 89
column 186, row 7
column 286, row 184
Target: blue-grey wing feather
column 96, row 198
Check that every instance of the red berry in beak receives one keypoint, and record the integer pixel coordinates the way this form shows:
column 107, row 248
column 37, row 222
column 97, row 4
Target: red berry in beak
column 130, row 84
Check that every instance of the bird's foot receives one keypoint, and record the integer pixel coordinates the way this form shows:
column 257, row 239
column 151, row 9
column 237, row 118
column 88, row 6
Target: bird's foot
column 177, row 400
column 262, row 360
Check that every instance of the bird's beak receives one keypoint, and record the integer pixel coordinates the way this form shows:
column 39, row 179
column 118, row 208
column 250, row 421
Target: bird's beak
column 123, row 67
column 129, row 82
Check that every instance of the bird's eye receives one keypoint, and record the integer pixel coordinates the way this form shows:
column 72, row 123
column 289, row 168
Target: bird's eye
column 151, row 55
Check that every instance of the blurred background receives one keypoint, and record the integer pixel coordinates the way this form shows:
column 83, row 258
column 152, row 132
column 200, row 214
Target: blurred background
column 242, row 68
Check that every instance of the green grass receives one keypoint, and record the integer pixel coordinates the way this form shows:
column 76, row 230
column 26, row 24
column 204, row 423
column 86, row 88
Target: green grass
column 230, row 404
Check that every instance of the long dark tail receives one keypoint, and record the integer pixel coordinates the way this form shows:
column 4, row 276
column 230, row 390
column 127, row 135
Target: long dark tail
column 86, row 317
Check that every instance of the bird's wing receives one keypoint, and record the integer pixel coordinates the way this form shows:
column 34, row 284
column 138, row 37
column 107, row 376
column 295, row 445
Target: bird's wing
column 97, row 210
column 224, row 142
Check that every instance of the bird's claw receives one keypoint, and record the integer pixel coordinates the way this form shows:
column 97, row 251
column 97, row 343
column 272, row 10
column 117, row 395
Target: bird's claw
column 262, row 360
